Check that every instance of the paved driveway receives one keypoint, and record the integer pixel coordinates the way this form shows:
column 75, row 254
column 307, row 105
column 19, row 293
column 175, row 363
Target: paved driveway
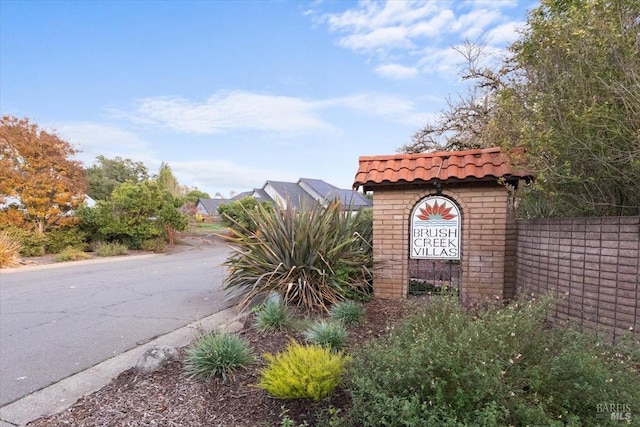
column 61, row 319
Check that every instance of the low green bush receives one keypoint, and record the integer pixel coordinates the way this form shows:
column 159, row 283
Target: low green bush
column 62, row 238
column 110, row 249
column 491, row 367
column 272, row 316
column 303, row 372
column 347, row 312
column 332, row 335
column 217, row 354
column 158, row 245
column 71, row 254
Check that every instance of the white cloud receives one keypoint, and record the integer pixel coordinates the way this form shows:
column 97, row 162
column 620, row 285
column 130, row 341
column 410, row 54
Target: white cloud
column 93, row 139
column 396, row 71
column 274, row 117
column 506, row 33
column 409, row 29
column 225, row 175
column 224, row 112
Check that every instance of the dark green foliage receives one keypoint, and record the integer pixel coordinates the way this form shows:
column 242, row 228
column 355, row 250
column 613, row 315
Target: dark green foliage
column 107, row 174
column 193, row 196
column 217, row 354
column 347, row 312
column 495, row 367
column 238, row 214
column 296, row 254
column 61, row 238
column 133, row 214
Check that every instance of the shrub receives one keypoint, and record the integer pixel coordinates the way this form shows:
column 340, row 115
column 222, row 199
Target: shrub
column 110, row 249
column 301, row 372
column 61, row 238
column 272, row 316
column 217, row 354
column 31, row 243
column 238, row 214
column 9, row 250
column 499, row 366
column 72, row 254
column 329, row 334
column 158, row 245
column 347, row 312
column 295, row 253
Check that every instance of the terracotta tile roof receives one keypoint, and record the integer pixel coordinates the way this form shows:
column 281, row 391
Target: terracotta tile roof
column 470, row 165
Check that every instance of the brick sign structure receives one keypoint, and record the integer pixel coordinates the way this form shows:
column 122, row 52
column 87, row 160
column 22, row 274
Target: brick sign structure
column 410, row 190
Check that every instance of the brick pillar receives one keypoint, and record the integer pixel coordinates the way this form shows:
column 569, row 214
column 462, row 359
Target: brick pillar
column 488, row 239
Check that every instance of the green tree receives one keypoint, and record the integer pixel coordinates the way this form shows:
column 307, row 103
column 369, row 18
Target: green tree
column 167, row 181
column 37, row 167
column 195, row 194
column 107, row 174
column 134, row 213
column 576, row 87
column 570, row 95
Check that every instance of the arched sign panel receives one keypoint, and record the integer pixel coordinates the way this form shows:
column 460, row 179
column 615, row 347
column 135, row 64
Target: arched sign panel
column 435, row 229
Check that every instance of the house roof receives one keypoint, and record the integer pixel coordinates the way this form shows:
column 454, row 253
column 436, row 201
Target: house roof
column 470, row 165
column 292, row 192
column 211, row 205
column 261, row 195
column 242, row 195
column 328, row 192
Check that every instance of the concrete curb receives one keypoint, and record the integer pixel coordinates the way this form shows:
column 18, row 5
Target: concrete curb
column 61, row 395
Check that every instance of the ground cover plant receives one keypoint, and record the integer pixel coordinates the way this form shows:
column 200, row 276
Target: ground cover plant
column 397, row 330
column 303, row 372
column 490, row 367
column 217, row 354
column 272, row 316
column 332, row 335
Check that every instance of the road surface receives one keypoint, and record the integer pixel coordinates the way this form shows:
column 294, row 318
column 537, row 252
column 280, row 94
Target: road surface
column 61, row 319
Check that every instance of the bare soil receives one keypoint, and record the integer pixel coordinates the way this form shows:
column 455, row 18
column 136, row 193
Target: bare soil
column 168, row 398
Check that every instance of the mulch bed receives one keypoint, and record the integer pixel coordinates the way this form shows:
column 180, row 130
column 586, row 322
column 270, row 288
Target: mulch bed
column 168, row 398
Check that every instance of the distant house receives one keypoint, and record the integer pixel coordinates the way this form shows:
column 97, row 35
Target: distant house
column 307, row 191
column 208, row 208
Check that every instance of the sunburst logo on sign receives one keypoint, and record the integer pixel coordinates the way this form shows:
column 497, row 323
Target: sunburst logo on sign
column 434, row 214
column 435, row 229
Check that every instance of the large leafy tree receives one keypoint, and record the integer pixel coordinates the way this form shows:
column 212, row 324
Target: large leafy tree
column 570, row 95
column 135, row 213
column 37, row 167
column 107, row 174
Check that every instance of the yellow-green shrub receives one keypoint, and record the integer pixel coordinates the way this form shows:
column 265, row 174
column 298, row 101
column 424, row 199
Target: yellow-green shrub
column 9, row 250
column 303, row 371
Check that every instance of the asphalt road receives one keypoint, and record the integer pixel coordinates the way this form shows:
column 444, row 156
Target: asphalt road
column 61, row 319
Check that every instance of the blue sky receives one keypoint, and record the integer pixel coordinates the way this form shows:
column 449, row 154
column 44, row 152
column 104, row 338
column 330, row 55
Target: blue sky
column 233, row 93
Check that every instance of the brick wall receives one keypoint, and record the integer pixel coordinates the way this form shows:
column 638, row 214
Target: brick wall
column 592, row 264
column 487, row 253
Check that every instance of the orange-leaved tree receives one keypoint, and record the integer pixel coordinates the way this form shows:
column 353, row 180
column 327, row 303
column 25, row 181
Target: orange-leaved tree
column 36, row 167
